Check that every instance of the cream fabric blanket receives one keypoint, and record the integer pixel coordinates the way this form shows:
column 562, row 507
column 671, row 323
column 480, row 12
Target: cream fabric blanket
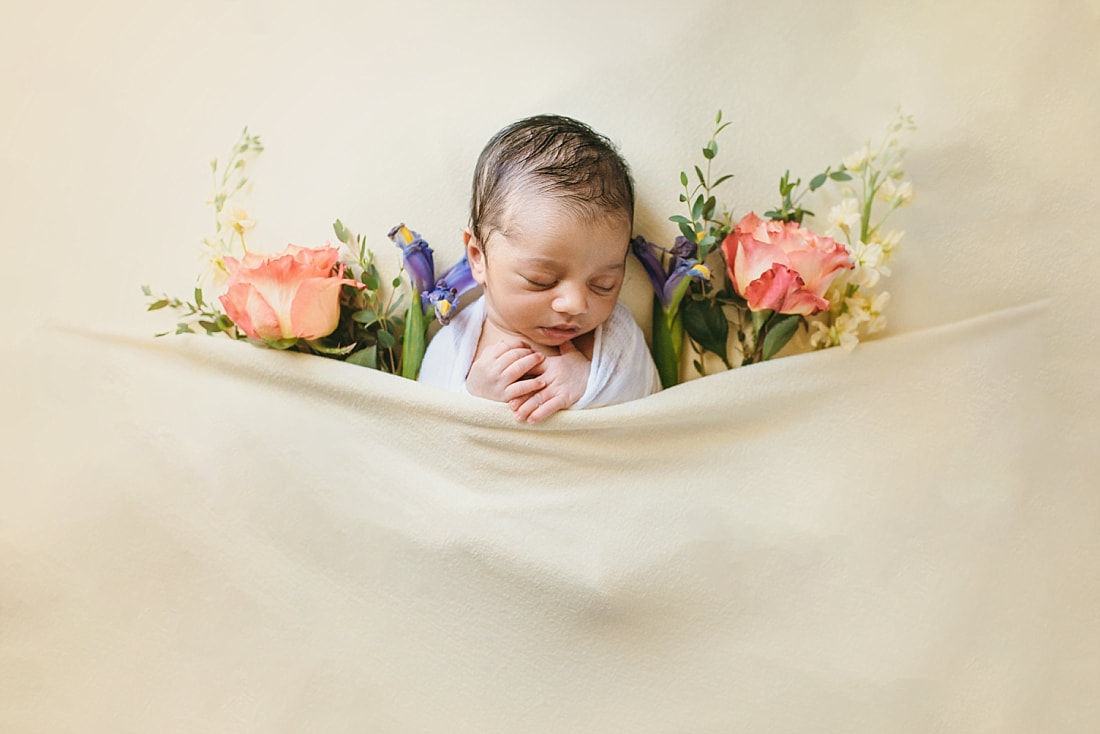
column 203, row 536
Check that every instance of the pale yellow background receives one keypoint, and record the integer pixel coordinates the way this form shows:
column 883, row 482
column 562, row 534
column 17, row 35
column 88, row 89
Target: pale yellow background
column 374, row 113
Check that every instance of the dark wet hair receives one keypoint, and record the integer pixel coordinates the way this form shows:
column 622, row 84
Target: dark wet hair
column 552, row 156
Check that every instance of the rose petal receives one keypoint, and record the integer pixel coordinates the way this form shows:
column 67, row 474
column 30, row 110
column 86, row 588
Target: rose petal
column 315, row 311
column 252, row 314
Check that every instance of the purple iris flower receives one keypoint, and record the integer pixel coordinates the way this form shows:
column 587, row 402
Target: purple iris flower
column 669, row 284
column 444, row 297
column 418, row 257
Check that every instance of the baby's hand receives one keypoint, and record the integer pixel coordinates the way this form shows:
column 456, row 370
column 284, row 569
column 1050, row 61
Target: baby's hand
column 560, row 382
column 499, row 366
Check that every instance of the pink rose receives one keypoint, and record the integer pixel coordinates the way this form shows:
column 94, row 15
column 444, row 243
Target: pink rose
column 295, row 294
column 781, row 266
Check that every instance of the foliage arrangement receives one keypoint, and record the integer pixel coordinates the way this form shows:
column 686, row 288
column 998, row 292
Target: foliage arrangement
column 777, row 275
column 328, row 301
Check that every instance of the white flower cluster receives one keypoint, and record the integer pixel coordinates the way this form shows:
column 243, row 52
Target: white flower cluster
column 855, row 307
column 232, row 219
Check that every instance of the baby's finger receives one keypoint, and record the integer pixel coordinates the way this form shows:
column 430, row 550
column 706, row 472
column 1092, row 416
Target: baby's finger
column 522, row 366
column 546, row 409
column 527, row 405
column 523, row 388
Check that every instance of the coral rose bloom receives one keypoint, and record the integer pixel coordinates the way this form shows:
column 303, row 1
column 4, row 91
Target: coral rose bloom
column 295, row 294
column 781, row 266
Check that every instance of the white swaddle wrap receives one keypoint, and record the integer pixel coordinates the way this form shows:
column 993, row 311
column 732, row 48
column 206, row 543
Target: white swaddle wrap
column 622, row 369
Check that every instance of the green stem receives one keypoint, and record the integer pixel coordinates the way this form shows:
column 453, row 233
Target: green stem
column 668, row 343
column 412, row 351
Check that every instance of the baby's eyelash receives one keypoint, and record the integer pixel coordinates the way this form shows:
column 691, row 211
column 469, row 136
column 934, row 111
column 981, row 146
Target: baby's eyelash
column 537, row 284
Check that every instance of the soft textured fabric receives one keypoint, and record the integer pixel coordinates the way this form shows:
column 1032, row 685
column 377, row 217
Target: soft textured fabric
column 199, row 535
column 621, row 369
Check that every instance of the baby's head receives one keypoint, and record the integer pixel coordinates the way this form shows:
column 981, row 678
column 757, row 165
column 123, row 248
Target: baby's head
column 550, row 224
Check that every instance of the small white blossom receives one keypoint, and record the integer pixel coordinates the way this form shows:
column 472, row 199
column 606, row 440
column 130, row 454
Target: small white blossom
column 869, row 264
column 824, row 336
column 819, row 335
column 856, row 161
column 890, row 243
column 886, row 191
column 855, row 313
column 844, row 217
column 904, row 193
column 212, row 258
column 236, row 217
column 877, row 321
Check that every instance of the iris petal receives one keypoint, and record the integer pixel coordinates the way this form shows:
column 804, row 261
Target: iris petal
column 649, row 255
column 418, row 257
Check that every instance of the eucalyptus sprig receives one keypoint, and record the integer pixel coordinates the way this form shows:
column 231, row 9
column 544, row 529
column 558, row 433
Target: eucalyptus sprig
column 702, row 226
column 790, row 210
column 205, row 314
column 704, row 319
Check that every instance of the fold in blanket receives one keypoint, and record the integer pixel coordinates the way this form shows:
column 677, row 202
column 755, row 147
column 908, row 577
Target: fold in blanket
column 200, row 535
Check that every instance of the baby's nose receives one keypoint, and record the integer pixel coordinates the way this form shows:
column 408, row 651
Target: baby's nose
column 570, row 299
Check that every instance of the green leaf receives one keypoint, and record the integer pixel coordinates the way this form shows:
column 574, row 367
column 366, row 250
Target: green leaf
column 840, row 176
column 366, row 317
column 718, row 117
column 699, row 173
column 708, row 208
column 366, row 357
column 705, row 322
column 396, row 281
column 779, row 334
column 370, row 279
column 210, row 326
column 680, row 219
column 711, row 150
column 721, row 179
column 183, row 328
column 342, row 233
column 198, row 297
column 683, row 179
column 698, row 366
column 386, row 340
column 697, row 208
column 157, row 305
column 683, row 198
column 224, row 323
column 146, row 290
column 720, row 128
column 687, row 231
column 817, row 181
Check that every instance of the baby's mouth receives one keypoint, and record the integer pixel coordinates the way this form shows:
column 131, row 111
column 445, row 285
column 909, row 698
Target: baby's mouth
column 561, row 331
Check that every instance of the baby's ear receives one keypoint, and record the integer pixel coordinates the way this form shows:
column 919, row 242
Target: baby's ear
column 475, row 255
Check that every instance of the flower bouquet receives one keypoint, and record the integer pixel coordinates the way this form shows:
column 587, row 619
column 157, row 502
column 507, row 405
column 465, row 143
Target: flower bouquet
column 330, row 301
column 779, row 274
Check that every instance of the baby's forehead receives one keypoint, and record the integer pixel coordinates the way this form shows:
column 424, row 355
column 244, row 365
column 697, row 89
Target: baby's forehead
column 527, row 212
